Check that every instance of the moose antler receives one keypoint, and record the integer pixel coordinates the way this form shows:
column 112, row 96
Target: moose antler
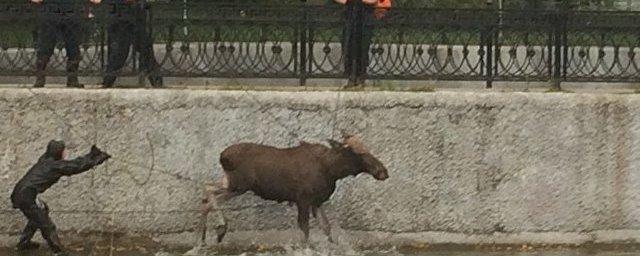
column 346, row 135
column 355, row 144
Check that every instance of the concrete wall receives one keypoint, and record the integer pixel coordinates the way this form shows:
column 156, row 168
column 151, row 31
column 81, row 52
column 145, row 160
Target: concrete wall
column 465, row 163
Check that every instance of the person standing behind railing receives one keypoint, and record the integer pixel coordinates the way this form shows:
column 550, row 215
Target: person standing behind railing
column 59, row 18
column 127, row 26
column 358, row 32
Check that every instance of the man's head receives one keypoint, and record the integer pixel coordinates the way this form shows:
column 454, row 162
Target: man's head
column 55, row 149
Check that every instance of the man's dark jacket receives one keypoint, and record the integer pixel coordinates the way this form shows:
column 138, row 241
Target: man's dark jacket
column 49, row 169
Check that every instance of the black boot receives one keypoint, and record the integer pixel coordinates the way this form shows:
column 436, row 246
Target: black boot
column 27, row 246
column 40, row 81
column 41, row 66
column 51, row 236
column 108, row 80
column 360, row 81
column 25, row 243
column 73, row 83
column 72, row 74
column 221, row 231
column 156, row 80
column 351, row 83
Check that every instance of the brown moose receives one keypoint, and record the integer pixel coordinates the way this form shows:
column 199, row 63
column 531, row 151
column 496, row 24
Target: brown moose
column 304, row 175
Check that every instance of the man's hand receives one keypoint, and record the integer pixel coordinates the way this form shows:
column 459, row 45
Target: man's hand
column 98, row 155
column 102, row 157
column 95, row 151
column 36, row 1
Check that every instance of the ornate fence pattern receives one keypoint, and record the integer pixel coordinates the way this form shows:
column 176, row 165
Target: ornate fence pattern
column 304, row 41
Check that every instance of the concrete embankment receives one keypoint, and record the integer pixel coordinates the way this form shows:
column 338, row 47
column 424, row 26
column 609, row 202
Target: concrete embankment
column 465, row 167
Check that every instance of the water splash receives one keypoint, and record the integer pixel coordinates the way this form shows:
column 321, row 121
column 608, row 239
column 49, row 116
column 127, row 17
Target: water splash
column 344, row 245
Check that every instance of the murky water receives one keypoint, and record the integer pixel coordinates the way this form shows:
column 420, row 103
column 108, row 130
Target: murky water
column 314, row 253
column 326, row 252
column 123, row 245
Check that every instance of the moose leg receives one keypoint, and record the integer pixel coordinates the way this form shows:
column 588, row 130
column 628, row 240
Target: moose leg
column 223, row 192
column 209, row 203
column 303, row 219
column 314, row 212
column 219, row 196
column 205, row 208
column 326, row 226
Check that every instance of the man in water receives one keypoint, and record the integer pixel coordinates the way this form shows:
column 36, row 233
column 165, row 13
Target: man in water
column 50, row 167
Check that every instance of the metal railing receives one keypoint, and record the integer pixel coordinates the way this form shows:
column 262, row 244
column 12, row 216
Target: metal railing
column 304, row 41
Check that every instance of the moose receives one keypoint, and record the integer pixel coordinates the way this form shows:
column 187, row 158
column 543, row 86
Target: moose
column 304, row 175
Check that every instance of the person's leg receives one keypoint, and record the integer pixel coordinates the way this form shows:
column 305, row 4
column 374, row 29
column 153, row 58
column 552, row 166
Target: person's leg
column 351, row 54
column 345, row 43
column 363, row 53
column 148, row 63
column 48, row 228
column 356, row 53
column 120, row 38
column 38, row 216
column 47, row 36
column 25, row 242
column 71, row 32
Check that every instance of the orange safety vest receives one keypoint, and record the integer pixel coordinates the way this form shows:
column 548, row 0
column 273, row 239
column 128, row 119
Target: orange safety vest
column 381, row 8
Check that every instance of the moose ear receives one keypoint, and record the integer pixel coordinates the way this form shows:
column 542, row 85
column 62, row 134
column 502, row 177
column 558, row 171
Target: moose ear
column 334, row 144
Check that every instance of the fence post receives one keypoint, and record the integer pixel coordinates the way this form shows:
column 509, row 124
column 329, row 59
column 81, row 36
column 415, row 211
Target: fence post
column 304, row 27
column 565, row 41
column 488, row 42
column 489, row 57
column 558, row 30
column 144, row 11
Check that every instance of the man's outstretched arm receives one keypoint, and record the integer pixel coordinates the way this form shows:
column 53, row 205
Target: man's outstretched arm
column 81, row 164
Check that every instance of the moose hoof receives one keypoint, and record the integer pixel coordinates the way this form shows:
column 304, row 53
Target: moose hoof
column 220, row 237
column 194, row 252
column 221, row 231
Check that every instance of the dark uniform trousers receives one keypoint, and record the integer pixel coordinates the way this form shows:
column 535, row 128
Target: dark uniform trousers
column 37, row 214
column 127, row 28
column 51, row 27
column 358, row 32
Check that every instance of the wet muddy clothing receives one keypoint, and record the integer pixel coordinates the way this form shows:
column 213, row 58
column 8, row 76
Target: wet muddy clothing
column 47, row 171
column 358, row 32
column 128, row 27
